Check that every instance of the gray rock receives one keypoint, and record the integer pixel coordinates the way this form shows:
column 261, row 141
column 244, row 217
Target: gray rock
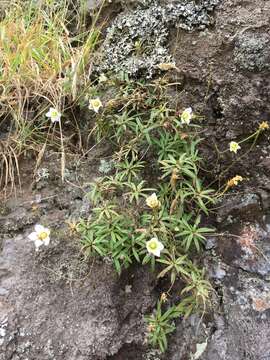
column 245, row 329
column 246, row 206
column 265, row 198
column 218, row 272
column 211, row 243
column 93, row 4
column 89, row 316
column 138, row 40
column 252, row 51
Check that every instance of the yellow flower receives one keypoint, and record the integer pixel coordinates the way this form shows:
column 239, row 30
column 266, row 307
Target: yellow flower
column 95, row 104
column 153, row 202
column 154, row 247
column 264, row 126
column 186, row 116
column 234, row 146
column 234, row 181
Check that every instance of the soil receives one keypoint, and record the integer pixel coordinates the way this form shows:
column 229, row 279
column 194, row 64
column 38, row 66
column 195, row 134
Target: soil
column 57, row 305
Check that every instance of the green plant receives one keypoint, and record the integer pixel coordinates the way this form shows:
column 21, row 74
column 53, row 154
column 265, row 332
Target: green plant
column 137, row 191
column 149, row 210
column 182, row 166
column 173, row 264
column 168, row 144
column 197, row 295
column 192, row 233
column 199, row 288
column 129, row 170
column 112, row 236
column 160, row 325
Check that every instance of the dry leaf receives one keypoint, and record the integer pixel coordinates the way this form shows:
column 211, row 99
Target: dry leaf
column 173, row 205
column 183, row 136
column 166, row 66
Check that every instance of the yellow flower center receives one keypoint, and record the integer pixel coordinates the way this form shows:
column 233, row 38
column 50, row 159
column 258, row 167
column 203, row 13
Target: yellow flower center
column 185, row 116
column 153, row 203
column 54, row 113
column 95, row 103
column 43, row 235
column 153, row 245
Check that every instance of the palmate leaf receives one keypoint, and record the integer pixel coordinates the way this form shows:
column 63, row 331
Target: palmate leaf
column 137, row 191
column 192, row 233
column 129, row 170
column 184, row 165
column 198, row 195
column 93, row 245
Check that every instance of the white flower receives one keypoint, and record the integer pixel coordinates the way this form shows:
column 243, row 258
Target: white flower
column 186, row 116
column 234, row 146
column 41, row 236
column 153, row 202
column 154, row 246
column 102, row 78
column 95, row 104
column 54, row 115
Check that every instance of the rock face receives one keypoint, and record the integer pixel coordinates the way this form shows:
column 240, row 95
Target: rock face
column 226, row 71
column 54, row 305
column 63, row 312
column 138, row 40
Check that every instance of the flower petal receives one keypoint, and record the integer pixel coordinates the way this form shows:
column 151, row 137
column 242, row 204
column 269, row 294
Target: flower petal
column 39, row 228
column 156, row 252
column 46, row 241
column 47, row 231
column 160, row 246
column 33, row 236
column 55, row 118
column 38, row 243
